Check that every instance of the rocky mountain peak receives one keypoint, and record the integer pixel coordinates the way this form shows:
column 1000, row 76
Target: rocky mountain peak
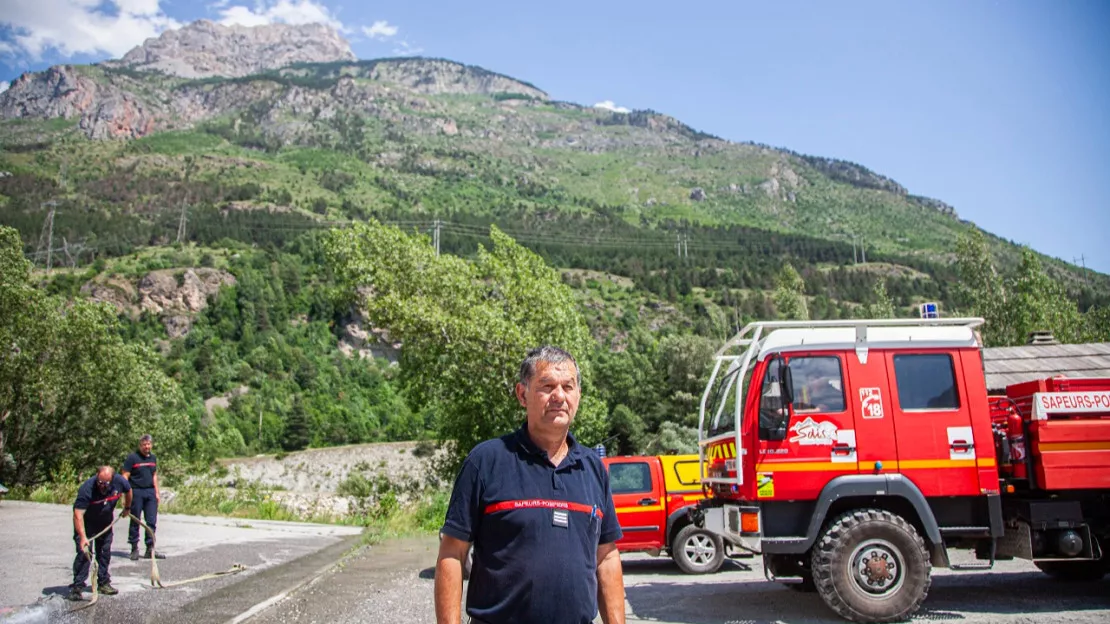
column 204, row 49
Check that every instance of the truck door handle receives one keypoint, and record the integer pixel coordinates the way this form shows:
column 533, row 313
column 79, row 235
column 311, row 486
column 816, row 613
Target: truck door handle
column 644, row 502
column 962, row 446
column 843, row 448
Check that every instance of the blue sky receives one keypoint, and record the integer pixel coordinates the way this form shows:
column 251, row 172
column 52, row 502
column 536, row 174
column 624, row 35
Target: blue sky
column 999, row 108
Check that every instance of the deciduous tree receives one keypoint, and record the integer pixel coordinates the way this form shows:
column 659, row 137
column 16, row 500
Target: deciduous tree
column 465, row 326
column 70, row 388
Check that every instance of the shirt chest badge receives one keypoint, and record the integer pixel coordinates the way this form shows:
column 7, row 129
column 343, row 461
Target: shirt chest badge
column 560, row 518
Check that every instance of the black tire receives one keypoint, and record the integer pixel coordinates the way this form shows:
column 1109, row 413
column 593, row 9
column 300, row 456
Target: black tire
column 1073, row 571
column 698, row 551
column 871, row 566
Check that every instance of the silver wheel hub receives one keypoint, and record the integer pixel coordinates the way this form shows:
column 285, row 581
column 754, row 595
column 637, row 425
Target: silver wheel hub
column 877, row 567
column 699, row 549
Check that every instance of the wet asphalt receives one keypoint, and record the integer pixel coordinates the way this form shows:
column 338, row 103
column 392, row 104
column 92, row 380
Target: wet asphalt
column 37, row 554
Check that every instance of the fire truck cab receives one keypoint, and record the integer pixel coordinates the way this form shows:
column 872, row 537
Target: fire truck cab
column 853, row 454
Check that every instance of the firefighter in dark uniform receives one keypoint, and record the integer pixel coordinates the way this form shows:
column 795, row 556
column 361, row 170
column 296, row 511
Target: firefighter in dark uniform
column 92, row 513
column 539, row 510
column 141, row 471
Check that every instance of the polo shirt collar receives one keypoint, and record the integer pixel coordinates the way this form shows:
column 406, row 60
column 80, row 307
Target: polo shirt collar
column 574, row 449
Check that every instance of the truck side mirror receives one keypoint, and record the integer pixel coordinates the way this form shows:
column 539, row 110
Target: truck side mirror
column 773, row 412
column 787, row 378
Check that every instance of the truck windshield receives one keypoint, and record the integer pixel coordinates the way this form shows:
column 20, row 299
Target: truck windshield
column 721, row 407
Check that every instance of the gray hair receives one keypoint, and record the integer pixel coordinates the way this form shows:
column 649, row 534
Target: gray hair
column 146, row 438
column 549, row 354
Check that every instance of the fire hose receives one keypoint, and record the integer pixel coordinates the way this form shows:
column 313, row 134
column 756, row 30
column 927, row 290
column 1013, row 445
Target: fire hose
column 155, row 577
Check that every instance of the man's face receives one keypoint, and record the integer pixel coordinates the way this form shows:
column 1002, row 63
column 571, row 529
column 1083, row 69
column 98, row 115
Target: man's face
column 551, row 397
column 103, row 481
column 145, row 446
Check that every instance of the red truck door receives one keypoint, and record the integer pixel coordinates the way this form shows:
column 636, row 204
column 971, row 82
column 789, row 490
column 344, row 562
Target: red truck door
column 869, row 399
column 639, row 497
column 800, row 448
column 932, row 422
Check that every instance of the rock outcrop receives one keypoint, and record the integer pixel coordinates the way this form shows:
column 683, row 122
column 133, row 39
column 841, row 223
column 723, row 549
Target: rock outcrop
column 204, row 49
column 436, row 76
column 174, row 295
column 103, row 111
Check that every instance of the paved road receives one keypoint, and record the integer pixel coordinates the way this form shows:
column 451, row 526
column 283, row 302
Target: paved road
column 392, row 584
column 37, row 546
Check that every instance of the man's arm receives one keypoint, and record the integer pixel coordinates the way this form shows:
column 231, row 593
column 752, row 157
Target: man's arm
column 610, row 584
column 128, row 495
column 157, row 489
column 449, row 579
column 79, row 527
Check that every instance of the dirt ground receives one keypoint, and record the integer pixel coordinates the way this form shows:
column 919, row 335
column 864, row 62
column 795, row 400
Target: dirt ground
column 307, row 480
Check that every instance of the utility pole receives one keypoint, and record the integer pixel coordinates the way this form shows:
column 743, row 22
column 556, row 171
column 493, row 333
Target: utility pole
column 435, row 237
column 855, row 254
column 686, row 246
column 46, row 240
column 181, row 222
column 65, row 250
column 1083, row 263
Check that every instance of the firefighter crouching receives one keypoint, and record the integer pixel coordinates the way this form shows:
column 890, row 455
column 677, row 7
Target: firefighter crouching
column 92, row 513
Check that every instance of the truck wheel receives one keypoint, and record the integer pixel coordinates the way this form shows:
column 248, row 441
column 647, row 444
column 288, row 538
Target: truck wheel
column 697, row 551
column 1073, row 571
column 871, row 566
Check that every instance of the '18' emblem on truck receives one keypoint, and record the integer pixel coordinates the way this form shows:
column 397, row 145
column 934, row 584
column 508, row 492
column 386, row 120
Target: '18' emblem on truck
column 871, row 402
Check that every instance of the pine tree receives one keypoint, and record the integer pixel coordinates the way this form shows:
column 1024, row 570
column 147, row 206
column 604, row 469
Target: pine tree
column 881, row 306
column 790, row 298
column 296, row 434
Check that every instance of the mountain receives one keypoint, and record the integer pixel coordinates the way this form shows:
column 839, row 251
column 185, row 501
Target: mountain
column 204, row 49
column 282, row 123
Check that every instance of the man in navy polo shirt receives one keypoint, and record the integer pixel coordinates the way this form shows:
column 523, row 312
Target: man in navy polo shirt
column 538, row 509
column 92, row 513
column 141, row 471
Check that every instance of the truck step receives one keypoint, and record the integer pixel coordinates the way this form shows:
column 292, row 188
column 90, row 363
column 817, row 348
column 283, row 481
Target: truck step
column 971, row 566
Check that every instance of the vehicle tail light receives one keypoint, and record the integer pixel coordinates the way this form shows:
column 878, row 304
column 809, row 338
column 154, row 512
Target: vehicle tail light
column 749, row 522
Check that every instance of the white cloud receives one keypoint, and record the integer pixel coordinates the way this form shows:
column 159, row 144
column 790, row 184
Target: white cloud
column 4, row 84
column 70, row 27
column 380, row 29
column 280, row 12
column 609, row 105
column 404, row 49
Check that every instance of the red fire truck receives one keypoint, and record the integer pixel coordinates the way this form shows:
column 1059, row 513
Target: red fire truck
column 854, row 455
